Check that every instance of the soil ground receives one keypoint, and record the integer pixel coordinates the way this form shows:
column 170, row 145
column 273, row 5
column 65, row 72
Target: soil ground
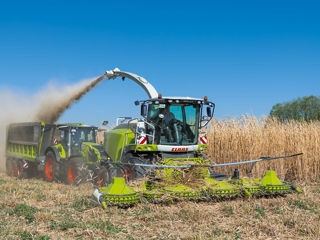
column 34, row 209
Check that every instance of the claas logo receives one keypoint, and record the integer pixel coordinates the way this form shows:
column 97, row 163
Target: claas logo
column 179, row 149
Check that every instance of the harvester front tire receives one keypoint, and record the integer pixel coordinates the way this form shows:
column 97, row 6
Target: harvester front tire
column 76, row 171
column 50, row 167
column 134, row 172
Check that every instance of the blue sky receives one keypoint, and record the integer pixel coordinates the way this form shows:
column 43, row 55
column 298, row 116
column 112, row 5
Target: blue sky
column 244, row 55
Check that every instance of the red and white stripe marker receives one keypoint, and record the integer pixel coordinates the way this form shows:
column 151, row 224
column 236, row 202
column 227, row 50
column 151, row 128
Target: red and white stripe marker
column 142, row 140
column 25, row 165
column 204, row 140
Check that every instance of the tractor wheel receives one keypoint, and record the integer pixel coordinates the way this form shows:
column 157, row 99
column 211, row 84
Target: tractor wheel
column 10, row 167
column 76, row 171
column 103, row 177
column 50, row 167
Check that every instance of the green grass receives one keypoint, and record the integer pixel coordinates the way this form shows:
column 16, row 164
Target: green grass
column 260, row 211
column 24, row 210
column 228, row 211
column 81, row 204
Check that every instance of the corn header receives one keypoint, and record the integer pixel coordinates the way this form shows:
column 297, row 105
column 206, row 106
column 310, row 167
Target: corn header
column 159, row 157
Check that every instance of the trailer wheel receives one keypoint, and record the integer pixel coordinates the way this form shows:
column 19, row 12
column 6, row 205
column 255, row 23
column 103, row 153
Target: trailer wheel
column 50, row 167
column 10, row 167
column 104, row 177
column 18, row 169
column 21, row 171
column 76, row 171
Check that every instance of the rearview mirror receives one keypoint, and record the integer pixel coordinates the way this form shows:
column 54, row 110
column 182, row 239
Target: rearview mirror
column 143, row 110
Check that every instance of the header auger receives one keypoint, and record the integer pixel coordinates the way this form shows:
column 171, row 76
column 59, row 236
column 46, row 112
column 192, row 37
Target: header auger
column 162, row 154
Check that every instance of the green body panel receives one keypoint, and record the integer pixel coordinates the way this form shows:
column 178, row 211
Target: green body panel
column 144, row 148
column 202, row 147
column 26, row 150
column 119, row 193
column 116, row 140
column 118, row 186
column 61, row 150
column 90, row 152
column 270, row 178
column 41, row 138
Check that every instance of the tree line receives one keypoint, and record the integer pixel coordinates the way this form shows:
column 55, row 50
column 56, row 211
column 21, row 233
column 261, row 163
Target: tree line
column 301, row 109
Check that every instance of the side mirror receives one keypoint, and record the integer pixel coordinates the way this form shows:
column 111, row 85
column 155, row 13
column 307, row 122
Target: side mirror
column 209, row 112
column 143, row 110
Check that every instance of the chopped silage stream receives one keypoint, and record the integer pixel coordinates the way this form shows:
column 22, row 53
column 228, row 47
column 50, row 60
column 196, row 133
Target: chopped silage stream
column 34, row 209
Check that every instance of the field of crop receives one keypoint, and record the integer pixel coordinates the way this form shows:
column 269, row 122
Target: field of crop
column 250, row 138
column 34, row 209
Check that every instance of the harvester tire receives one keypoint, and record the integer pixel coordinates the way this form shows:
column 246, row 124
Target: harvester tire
column 127, row 171
column 134, row 172
column 104, row 177
column 76, row 171
column 10, row 167
column 50, row 167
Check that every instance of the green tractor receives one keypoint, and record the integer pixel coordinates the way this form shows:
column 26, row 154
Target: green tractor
column 163, row 153
column 63, row 152
column 76, row 155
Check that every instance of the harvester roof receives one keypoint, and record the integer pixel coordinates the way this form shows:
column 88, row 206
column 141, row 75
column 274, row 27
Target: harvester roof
column 179, row 99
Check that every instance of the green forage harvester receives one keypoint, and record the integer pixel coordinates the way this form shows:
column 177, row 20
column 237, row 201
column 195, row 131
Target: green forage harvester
column 162, row 155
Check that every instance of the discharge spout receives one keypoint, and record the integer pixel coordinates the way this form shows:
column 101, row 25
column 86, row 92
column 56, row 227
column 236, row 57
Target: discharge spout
column 142, row 82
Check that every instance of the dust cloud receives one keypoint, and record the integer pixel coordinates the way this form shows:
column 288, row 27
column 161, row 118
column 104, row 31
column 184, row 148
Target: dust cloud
column 47, row 105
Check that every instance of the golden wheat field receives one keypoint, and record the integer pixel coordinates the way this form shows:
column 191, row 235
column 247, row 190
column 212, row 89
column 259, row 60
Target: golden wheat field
column 248, row 137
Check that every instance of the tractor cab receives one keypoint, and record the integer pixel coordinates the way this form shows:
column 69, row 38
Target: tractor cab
column 73, row 137
column 169, row 126
column 176, row 120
